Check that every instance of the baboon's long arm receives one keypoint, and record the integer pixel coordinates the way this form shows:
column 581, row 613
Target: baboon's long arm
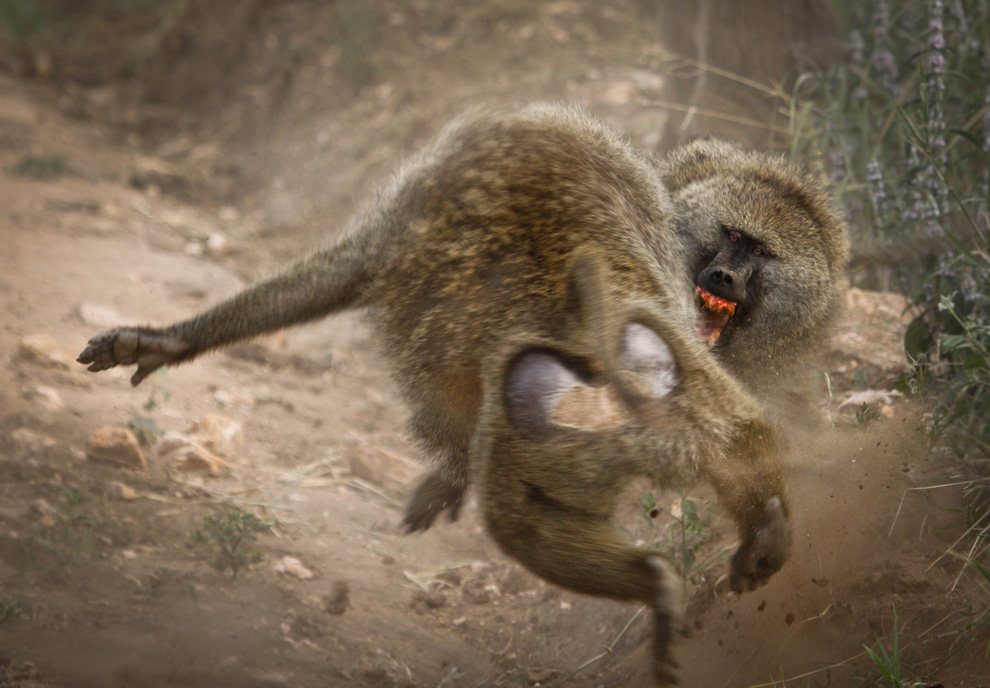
column 327, row 281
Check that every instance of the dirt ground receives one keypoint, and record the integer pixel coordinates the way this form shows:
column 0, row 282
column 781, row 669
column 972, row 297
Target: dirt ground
column 144, row 198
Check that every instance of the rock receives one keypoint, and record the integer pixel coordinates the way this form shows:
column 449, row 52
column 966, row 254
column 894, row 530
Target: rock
column 119, row 490
column 183, row 453
column 219, row 434
column 116, row 445
column 46, row 513
column 43, row 350
column 98, row 315
column 291, row 566
column 870, row 396
column 217, row 244
column 337, row 601
column 871, row 329
column 46, row 397
column 477, row 591
column 43, row 508
column 31, row 442
column 618, row 93
column 234, row 399
column 435, row 599
column 383, row 467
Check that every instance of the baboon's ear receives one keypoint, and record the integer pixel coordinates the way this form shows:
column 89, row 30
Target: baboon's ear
column 544, row 390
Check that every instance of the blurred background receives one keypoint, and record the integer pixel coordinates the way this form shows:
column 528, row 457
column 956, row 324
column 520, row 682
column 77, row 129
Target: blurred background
column 156, row 155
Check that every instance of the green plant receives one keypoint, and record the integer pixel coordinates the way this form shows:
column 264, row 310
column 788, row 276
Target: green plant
column 68, row 534
column 357, row 33
column 12, row 609
column 42, row 167
column 865, row 415
column 888, row 663
column 22, row 19
column 903, row 130
column 689, row 530
column 145, row 428
column 229, row 532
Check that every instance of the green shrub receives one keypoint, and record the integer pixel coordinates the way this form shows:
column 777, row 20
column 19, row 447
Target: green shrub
column 904, row 127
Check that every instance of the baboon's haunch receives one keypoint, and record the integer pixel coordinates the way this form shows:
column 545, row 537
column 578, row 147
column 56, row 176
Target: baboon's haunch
column 528, row 260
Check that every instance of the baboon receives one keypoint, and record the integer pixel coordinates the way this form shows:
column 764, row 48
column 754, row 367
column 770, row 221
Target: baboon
column 551, row 474
column 767, row 252
column 472, row 246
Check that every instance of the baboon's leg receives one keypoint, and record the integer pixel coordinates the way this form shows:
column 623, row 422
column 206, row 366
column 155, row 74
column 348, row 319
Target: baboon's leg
column 582, row 552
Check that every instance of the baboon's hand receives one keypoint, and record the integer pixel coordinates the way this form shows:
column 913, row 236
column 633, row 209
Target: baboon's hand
column 668, row 612
column 149, row 348
column 763, row 552
column 432, row 496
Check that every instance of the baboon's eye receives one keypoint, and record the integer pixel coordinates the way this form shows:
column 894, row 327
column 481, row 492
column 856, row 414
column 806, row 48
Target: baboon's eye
column 734, row 236
column 758, row 251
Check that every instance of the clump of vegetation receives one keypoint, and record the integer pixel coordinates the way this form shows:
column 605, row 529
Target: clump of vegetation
column 904, row 125
column 42, row 167
column 357, row 33
column 71, row 528
column 685, row 535
column 229, row 534
column 22, row 19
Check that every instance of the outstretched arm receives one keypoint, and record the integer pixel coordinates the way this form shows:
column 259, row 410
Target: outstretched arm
column 325, row 282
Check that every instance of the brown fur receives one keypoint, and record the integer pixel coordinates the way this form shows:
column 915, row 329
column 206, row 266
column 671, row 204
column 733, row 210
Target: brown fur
column 473, row 253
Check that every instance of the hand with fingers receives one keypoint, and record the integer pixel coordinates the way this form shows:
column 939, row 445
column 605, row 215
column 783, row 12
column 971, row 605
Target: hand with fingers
column 147, row 347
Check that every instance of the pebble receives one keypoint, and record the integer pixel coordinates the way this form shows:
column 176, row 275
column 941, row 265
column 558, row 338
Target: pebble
column 117, row 446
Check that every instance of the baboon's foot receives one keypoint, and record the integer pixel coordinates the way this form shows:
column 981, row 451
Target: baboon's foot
column 434, row 495
column 763, row 552
column 668, row 612
column 149, row 348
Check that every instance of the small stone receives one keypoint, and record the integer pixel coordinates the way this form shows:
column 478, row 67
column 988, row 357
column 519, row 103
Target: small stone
column 115, row 445
column 43, row 350
column 194, row 458
column 98, row 315
column 476, row 592
column 119, row 490
column 218, row 245
column 46, row 397
column 383, row 467
column 337, row 601
column 232, row 399
column 435, row 599
column 219, row 434
column 291, row 566
column 887, row 411
column 31, row 442
column 42, row 508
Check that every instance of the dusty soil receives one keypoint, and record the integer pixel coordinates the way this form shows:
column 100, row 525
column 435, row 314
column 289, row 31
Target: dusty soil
column 113, row 194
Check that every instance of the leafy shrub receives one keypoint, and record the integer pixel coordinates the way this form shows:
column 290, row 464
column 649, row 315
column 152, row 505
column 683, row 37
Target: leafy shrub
column 904, row 125
column 229, row 532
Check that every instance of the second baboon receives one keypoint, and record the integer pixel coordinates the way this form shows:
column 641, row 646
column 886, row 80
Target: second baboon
column 629, row 391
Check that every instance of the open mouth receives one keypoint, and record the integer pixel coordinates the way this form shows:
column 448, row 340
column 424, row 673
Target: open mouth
column 715, row 314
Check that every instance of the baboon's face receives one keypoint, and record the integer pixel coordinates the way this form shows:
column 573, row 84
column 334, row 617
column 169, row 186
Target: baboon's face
column 760, row 266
